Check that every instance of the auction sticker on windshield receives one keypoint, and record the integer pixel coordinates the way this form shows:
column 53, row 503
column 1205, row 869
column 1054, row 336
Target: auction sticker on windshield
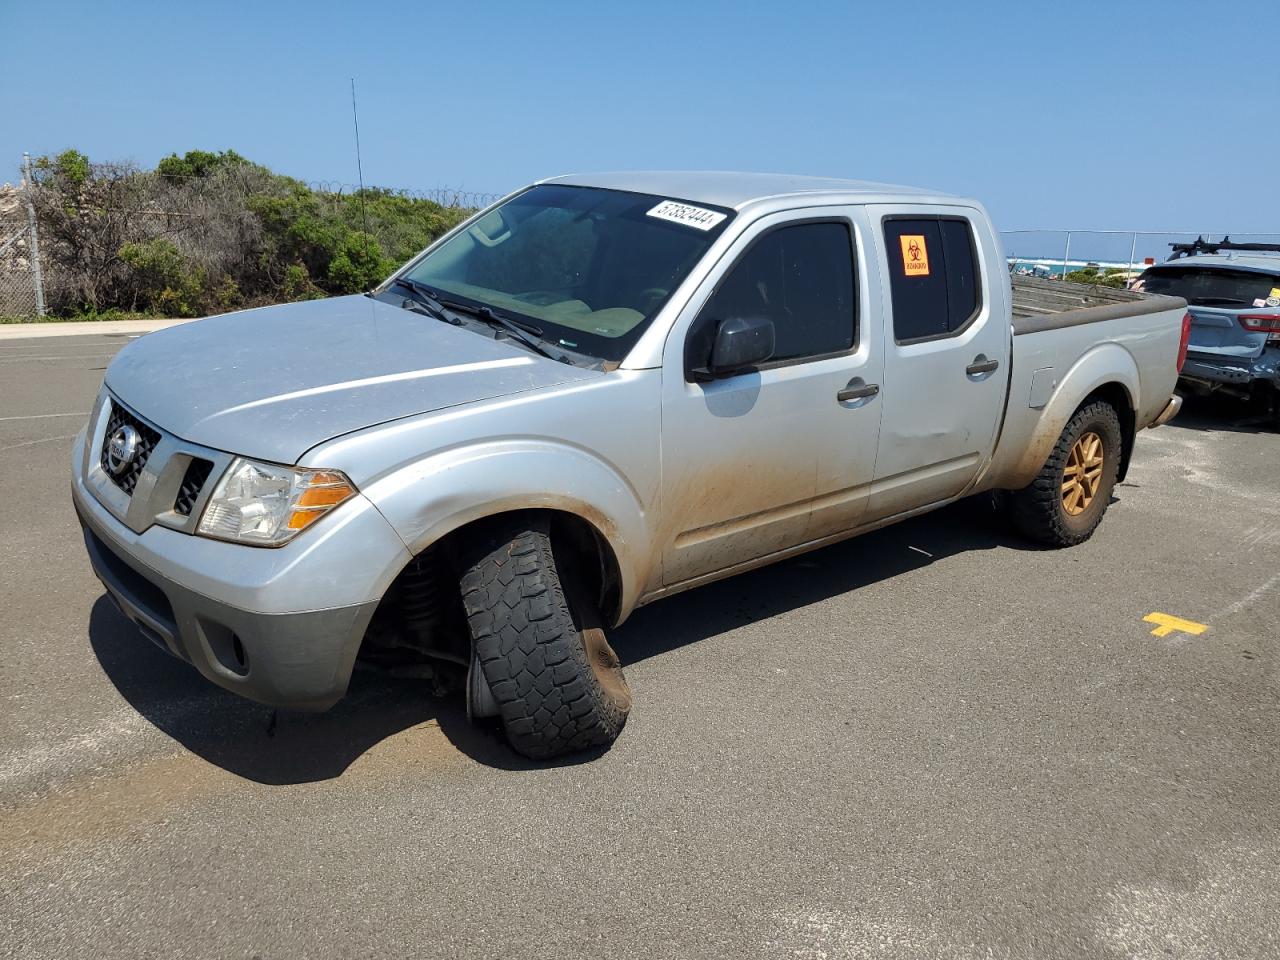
column 689, row 216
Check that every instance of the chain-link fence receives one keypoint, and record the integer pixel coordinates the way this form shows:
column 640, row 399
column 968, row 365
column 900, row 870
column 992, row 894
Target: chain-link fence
column 1120, row 253
column 21, row 282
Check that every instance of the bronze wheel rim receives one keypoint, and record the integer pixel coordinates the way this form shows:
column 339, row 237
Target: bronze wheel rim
column 1082, row 476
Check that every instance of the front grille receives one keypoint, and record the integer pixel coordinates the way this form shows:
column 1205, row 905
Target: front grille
column 127, row 479
column 192, row 483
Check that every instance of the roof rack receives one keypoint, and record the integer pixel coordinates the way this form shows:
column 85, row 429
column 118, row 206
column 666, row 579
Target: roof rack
column 1201, row 245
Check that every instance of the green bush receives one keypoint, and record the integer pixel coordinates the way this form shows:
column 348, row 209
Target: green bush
column 197, row 163
column 1112, row 277
column 71, row 166
column 208, row 232
column 359, row 263
column 163, row 280
column 156, row 263
column 297, row 284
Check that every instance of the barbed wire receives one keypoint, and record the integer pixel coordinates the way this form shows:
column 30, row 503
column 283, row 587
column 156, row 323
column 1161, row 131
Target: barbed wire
column 445, row 196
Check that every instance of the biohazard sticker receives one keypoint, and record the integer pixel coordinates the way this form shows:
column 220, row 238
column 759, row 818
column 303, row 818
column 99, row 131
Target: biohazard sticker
column 915, row 255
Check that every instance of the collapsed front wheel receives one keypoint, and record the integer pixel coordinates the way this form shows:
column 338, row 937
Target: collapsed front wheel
column 1066, row 501
column 538, row 638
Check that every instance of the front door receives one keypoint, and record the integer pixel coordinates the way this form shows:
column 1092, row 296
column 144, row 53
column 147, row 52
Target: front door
column 946, row 355
column 747, row 459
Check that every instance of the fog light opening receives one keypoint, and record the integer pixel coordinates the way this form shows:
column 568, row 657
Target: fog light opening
column 226, row 646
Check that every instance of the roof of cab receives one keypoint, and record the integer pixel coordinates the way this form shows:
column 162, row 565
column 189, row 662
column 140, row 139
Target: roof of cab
column 737, row 190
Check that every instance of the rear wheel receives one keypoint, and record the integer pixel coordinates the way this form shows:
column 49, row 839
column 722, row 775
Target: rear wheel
column 537, row 634
column 1066, row 501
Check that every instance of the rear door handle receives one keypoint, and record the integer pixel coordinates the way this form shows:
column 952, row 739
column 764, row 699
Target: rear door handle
column 857, row 390
column 980, row 366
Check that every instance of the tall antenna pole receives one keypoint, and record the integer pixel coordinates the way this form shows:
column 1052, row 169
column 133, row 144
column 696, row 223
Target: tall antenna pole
column 355, row 120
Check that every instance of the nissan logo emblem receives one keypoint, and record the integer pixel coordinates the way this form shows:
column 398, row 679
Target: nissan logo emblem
column 122, row 448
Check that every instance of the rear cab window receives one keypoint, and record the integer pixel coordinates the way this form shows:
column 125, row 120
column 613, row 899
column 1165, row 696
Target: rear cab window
column 934, row 278
column 1212, row 286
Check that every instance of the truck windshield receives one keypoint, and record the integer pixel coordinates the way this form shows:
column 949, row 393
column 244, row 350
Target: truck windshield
column 588, row 268
column 1207, row 286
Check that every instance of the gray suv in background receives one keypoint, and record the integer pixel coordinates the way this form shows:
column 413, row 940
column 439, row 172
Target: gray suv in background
column 1233, row 292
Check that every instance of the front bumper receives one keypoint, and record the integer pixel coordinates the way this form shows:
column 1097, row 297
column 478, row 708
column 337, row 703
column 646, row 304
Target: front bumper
column 1238, row 371
column 280, row 626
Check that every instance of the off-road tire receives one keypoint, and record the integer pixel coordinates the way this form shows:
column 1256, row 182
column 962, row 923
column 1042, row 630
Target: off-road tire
column 557, row 681
column 1037, row 510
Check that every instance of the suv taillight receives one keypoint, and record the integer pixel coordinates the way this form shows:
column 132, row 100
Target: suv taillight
column 1261, row 323
column 1186, row 339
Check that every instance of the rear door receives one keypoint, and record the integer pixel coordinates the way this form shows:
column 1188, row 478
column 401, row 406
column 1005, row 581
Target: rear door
column 1217, row 296
column 946, row 354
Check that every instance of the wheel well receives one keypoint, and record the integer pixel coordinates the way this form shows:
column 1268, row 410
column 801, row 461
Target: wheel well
column 421, row 612
column 577, row 543
column 1118, row 397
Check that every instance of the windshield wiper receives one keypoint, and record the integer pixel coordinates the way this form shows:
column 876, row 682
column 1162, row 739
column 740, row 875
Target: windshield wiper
column 526, row 333
column 447, row 310
column 424, row 300
column 1208, row 301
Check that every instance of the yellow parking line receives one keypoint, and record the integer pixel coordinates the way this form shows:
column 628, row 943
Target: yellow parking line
column 1167, row 624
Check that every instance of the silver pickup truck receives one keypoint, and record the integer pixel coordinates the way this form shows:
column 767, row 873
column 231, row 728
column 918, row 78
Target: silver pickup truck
column 598, row 392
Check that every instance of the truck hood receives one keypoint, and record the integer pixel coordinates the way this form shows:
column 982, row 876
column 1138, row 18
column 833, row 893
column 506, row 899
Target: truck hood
column 271, row 383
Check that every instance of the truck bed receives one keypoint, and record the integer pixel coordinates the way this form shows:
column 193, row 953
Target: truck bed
column 1067, row 338
column 1049, row 304
column 1034, row 296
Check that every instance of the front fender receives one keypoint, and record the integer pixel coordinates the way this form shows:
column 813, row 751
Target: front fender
column 434, row 496
column 1106, row 363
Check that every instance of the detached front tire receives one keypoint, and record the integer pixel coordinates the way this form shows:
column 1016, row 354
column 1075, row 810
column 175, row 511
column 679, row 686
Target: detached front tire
column 1066, row 501
column 537, row 634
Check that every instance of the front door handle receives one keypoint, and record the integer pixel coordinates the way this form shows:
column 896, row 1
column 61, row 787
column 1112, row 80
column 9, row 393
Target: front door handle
column 857, row 390
column 980, row 366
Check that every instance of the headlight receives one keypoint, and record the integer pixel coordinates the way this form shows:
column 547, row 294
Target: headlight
column 267, row 505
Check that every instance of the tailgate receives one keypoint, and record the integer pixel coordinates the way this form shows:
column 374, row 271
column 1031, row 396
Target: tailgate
column 1218, row 332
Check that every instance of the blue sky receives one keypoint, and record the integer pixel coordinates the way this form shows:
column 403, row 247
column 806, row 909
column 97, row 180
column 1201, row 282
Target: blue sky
column 1055, row 115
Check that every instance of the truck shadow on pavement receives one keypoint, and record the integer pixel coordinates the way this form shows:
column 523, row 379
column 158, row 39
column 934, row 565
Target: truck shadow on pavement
column 814, row 577
column 279, row 747
column 1222, row 414
column 285, row 747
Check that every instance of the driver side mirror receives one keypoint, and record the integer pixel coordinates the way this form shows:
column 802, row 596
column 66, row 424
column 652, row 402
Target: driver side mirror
column 740, row 343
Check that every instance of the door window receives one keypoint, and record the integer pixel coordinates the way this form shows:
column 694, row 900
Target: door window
column 801, row 278
column 933, row 276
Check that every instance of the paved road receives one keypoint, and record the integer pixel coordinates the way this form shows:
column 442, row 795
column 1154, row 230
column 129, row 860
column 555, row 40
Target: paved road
column 930, row 742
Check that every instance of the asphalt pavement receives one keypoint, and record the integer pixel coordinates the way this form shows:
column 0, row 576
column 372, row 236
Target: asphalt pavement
column 933, row 741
